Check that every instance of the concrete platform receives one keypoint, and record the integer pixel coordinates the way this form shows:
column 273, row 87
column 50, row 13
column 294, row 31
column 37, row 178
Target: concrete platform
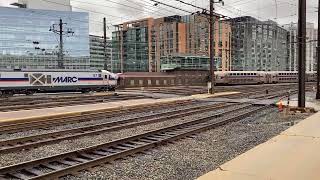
column 16, row 116
column 292, row 155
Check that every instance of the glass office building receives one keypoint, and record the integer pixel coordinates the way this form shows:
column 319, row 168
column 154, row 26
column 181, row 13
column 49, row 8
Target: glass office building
column 27, row 43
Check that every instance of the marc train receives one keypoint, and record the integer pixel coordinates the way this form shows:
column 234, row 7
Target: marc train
column 259, row 77
column 30, row 82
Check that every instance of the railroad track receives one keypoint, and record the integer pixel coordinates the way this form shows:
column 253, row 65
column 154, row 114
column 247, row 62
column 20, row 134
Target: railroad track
column 280, row 94
column 71, row 162
column 274, row 92
column 52, row 102
column 58, row 121
column 34, row 141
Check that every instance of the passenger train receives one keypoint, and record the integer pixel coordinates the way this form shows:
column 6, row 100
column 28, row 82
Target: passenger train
column 30, row 82
column 259, row 77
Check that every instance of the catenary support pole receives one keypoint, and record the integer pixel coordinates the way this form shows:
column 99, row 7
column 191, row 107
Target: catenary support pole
column 61, row 63
column 302, row 53
column 212, row 53
column 106, row 63
column 318, row 55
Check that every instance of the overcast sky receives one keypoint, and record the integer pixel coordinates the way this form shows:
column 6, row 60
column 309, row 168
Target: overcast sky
column 118, row 11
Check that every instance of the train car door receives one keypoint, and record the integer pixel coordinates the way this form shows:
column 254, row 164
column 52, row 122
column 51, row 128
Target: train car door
column 105, row 78
column 268, row 78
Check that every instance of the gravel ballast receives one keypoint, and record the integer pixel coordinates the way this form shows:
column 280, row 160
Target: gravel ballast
column 96, row 121
column 82, row 142
column 190, row 158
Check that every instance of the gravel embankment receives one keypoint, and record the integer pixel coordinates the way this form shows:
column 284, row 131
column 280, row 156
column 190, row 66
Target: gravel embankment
column 69, row 145
column 190, row 158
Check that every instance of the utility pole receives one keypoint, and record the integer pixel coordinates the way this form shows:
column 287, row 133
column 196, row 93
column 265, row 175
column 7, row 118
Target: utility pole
column 60, row 64
column 105, row 43
column 212, row 50
column 302, row 53
column 60, row 31
column 318, row 55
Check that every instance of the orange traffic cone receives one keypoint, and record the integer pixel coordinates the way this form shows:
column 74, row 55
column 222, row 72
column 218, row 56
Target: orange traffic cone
column 280, row 106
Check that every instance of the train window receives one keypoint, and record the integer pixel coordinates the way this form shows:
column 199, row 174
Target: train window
column 165, row 82
column 132, row 82
column 106, row 76
column 157, row 82
column 25, row 75
column 172, row 81
column 100, row 75
column 140, row 82
column 149, row 82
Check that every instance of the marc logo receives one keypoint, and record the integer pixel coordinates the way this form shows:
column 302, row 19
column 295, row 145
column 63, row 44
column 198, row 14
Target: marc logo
column 65, row 79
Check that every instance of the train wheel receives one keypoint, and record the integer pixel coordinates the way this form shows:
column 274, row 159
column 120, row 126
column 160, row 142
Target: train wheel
column 84, row 91
column 7, row 94
column 29, row 93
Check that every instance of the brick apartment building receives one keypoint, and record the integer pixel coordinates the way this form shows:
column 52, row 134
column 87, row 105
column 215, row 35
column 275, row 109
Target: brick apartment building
column 148, row 45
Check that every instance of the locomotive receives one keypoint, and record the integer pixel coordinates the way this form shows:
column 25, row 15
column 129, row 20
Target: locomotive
column 30, row 82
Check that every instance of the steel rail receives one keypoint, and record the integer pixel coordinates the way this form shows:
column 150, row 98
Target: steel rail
column 45, row 123
column 60, row 165
column 63, row 102
column 28, row 142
